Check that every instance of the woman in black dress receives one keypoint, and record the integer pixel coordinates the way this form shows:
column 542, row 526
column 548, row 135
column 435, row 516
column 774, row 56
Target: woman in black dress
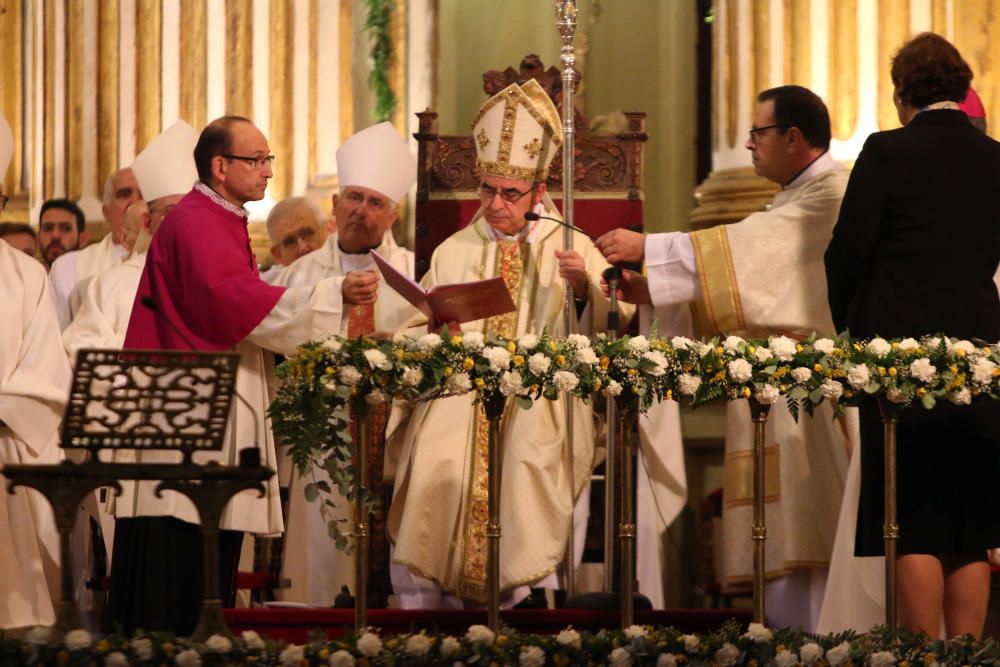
column 914, row 253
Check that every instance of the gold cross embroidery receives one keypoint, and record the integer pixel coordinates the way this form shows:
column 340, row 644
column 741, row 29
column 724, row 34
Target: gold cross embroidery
column 483, row 140
column 533, row 148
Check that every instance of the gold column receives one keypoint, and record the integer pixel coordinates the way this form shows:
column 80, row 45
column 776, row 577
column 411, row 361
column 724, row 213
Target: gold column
column 843, row 53
column 346, row 85
column 148, row 31
column 193, row 68
column 798, row 56
column 893, row 30
column 12, row 85
column 731, row 73
column 397, row 68
column 281, row 136
column 239, row 57
column 74, row 98
column 107, row 89
column 313, row 86
column 49, row 123
column 760, row 51
column 978, row 38
column 939, row 16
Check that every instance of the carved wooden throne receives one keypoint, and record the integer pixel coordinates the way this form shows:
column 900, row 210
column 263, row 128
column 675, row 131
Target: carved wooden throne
column 608, row 178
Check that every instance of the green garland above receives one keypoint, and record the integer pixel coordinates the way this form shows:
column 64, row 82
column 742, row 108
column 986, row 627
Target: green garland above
column 378, row 22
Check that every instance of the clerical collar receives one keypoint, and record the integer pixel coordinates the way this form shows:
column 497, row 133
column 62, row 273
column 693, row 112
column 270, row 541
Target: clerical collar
column 359, row 261
column 946, row 104
column 220, row 200
column 820, row 165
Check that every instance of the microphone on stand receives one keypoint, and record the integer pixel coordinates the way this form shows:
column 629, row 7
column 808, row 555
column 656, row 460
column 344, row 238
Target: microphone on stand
column 532, row 216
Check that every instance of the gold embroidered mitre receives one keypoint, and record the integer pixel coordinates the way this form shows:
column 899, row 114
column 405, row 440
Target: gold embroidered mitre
column 517, row 133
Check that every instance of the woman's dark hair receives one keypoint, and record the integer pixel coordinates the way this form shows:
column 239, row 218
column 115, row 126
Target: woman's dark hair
column 929, row 69
column 215, row 139
column 796, row 106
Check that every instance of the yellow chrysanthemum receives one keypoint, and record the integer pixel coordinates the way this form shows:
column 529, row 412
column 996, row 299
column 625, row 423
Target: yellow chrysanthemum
column 560, row 360
column 518, row 360
column 479, row 383
column 893, row 371
column 468, row 364
column 448, row 370
column 881, row 370
column 745, row 393
column 455, row 340
column 511, row 347
column 921, row 392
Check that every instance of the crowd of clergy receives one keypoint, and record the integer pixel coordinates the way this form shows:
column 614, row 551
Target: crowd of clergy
column 178, row 239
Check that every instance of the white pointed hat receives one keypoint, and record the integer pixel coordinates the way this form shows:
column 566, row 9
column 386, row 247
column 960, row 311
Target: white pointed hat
column 166, row 165
column 6, row 146
column 377, row 158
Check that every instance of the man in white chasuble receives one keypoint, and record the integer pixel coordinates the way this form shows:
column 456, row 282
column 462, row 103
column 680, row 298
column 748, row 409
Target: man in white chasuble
column 438, row 516
column 760, row 276
column 295, row 226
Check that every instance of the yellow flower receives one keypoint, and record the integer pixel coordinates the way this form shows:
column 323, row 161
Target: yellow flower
column 479, row 383
column 798, row 347
column 324, row 654
column 893, row 371
column 552, row 346
column 930, row 659
column 633, row 372
column 904, row 663
column 751, row 349
column 511, row 347
column 468, row 364
column 779, row 648
column 720, row 350
column 857, row 347
column 501, row 640
column 391, row 644
column 881, row 370
column 604, row 363
column 921, row 392
column 448, row 370
column 953, row 368
column 455, row 340
column 996, row 372
column 818, row 368
column 168, row 648
column 597, row 385
column 534, row 388
column 330, row 370
column 894, row 345
column 560, row 360
column 670, row 394
column 518, row 360
column 102, row 646
column 959, row 352
column 745, row 393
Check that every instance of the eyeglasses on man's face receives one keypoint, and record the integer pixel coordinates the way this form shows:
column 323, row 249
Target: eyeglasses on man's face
column 257, row 162
column 509, row 195
column 755, row 132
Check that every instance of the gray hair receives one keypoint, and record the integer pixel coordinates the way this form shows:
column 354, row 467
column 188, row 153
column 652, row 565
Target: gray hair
column 290, row 206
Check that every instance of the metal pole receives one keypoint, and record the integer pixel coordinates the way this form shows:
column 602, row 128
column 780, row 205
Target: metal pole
column 360, row 414
column 758, row 413
column 890, row 527
column 611, row 460
column 493, row 405
column 566, row 14
column 626, row 529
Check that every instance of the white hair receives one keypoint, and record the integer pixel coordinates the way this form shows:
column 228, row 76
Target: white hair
column 290, row 206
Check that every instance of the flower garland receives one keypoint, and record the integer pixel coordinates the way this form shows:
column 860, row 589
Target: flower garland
column 310, row 413
column 637, row 645
column 378, row 23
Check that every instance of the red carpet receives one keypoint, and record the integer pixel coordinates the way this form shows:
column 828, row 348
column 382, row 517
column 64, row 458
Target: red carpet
column 294, row 625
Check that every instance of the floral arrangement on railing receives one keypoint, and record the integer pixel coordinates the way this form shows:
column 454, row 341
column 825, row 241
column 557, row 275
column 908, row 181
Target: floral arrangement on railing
column 311, row 411
column 637, row 645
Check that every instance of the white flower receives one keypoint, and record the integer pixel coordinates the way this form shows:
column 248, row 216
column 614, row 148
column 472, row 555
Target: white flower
column 528, row 341
column 691, row 643
column 428, row 342
column 144, row 647
column 659, row 362
column 810, row 653
column 879, row 347
column 727, row 655
column 831, row 388
column 341, row 658
column 332, row 344
column 636, row 631
column 963, row 346
column 801, row 374
column 666, row 660
column 350, row 375
column 825, row 345
column 377, row 359
column 218, row 644
column 458, row 383
column 680, row 342
column 369, row 645
column 116, row 659
column 498, row 357
column 896, row 395
column 620, row 657
column 786, row 659
column 532, row 656
column 330, row 385
column 412, row 376
column 418, row 644
column 923, row 369
column 858, row 376
column 569, row 637
column 77, row 639
column 40, row 634
column 762, row 354
column 839, row 654
column 565, row 381
column 767, row 394
column 252, row 640
column 961, row 397
column 473, row 340
column 982, row 371
column 638, row 344
column 376, row 397
column 740, row 370
column 732, row 344
column 758, row 633
column 702, row 348
column 783, row 347
column 190, row 658
column 578, row 340
column 908, row 345
column 480, row 634
column 512, row 384
column 882, row 659
column 449, row 647
column 587, row 355
column 688, row 384
column 538, row 363
column 614, row 388
column 292, row 656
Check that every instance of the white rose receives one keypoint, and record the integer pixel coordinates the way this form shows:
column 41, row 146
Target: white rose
column 982, row 371
column 666, row 660
column 614, row 388
column 565, row 381
column 786, row 659
column 688, row 384
column 932, row 343
column 810, row 653
column 333, row 344
column 587, row 355
column 831, row 388
column 458, row 383
column 538, row 363
column 839, row 654
column 825, row 345
column 879, row 347
column 144, row 648
column 908, row 345
column 963, row 346
column 498, row 357
column 961, row 397
column 732, row 344
column 659, row 362
column 740, row 370
column 767, row 394
column 897, row 395
column 190, row 658
column 342, row 658
column 252, row 640
column 680, row 342
column 691, row 643
column 528, row 341
column 116, row 659
column 480, row 634
column 77, row 639
column 636, row 631
column 292, row 656
column 473, row 340
column 762, row 354
column 428, row 342
column 449, row 647
column 858, row 376
column 783, row 347
column 569, row 637
column 377, row 359
column 219, row 644
column 350, row 375
column 620, row 657
column 702, row 348
column 727, row 655
column 578, row 340
column 40, row 634
column 412, row 376
column 638, row 344
column 882, row 659
column 512, row 384
column 758, row 633
column 418, row 644
column 923, row 369
column 369, row 645
column 801, row 374
column 532, row 656
column 376, row 397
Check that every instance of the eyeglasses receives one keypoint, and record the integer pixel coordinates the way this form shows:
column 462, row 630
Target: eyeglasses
column 255, row 162
column 754, row 131
column 509, row 195
column 3, row 201
column 292, row 240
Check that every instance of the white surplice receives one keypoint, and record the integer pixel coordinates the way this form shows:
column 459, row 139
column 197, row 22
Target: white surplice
column 74, row 267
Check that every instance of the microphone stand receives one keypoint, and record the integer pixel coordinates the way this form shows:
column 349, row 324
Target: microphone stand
column 612, row 276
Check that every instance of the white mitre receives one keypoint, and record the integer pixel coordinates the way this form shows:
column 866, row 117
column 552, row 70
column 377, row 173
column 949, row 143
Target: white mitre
column 166, row 165
column 517, row 133
column 6, row 145
column 377, row 158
